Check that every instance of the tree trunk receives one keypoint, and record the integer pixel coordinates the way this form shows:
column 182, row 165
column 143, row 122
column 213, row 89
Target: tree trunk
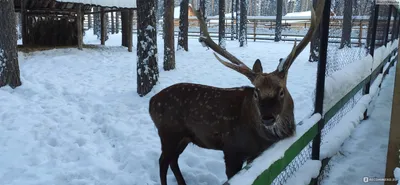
column 103, row 26
column 124, row 21
column 347, row 19
column 96, row 22
column 356, row 7
column 169, row 48
column 221, row 26
column 233, row 20
column 278, row 23
column 183, row 25
column 90, row 21
column 112, row 23
column 314, row 44
column 117, row 16
column 237, row 10
column 147, row 67
column 243, row 23
column 203, row 10
column 9, row 67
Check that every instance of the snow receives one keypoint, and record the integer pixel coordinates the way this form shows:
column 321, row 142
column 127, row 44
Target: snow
column 363, row 153
column 310, row 169
column 274, row 153
column 77, row 118
column 397, row 174
column 107, row 3
column 339, row 83
column 295, row 14
column 355, row 147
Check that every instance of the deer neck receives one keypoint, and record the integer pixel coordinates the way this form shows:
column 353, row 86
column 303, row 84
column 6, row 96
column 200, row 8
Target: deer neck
column 284, row 126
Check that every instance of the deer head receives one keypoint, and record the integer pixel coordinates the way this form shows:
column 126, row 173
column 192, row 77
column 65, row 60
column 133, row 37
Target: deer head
column 271, row 94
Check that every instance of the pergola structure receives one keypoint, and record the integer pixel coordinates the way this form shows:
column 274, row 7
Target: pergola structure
column 60, row 22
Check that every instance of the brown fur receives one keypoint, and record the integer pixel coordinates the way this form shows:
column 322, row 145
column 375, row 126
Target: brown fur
column 227, row 119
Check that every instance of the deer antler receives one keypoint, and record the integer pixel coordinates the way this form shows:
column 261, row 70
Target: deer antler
column 316, row 15
column 235, row 64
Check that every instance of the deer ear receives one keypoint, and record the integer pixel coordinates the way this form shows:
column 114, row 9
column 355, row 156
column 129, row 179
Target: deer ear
column 257, row 68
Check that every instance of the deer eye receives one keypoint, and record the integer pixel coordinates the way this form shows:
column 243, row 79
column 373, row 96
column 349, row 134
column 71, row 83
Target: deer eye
column 256, row 93
column 281, row 93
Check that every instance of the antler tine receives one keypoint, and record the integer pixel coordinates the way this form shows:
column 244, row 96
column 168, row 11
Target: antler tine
column 206, row 40
column 297, row 49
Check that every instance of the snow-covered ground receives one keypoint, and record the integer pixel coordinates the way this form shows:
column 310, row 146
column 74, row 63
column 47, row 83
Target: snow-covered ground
column 77, row 118
column 363, row 154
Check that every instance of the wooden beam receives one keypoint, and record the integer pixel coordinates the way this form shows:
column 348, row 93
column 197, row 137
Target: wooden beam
column 129, row 31
column 392, row 159
column 103, row 26
column 79, row 26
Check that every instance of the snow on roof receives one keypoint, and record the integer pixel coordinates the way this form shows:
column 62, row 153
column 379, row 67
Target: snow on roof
column 106, row 3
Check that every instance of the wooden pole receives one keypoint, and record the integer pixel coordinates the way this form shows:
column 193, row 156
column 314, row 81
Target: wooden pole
column 124, row 23
column 24, row 21
column 89, row 20
column 79, row 26
column 103, row 26
column 392, row 159
column 112, row 23
column 129, row 30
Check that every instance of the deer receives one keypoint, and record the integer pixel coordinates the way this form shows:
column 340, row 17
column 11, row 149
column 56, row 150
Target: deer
column 242, row 122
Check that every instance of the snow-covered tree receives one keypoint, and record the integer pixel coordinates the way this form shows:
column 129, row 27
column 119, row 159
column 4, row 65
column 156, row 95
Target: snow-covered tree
column 221, row 26
column 96, row 22
column 147, row 67
column 183, row 26
column 243, row 23
column 9, row 68
column 278, row 23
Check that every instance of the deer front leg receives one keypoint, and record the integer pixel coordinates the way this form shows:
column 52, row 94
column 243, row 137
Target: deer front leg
column 233, row 163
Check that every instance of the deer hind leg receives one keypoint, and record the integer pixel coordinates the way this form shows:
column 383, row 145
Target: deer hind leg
column 171, row 146
column 174, row 162
column 164, row 162
column 233, row 163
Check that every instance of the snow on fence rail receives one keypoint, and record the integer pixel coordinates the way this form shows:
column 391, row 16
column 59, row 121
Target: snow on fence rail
column 339, row 90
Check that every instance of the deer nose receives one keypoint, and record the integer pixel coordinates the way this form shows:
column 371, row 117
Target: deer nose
column 268, row 120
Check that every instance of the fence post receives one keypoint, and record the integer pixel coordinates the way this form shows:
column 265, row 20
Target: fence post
column 320, row 86
column 394, row 27
column 398, row 24
column 386, row 40
column 371, row 50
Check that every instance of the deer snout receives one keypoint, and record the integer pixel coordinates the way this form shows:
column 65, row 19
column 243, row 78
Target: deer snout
column 268, row 120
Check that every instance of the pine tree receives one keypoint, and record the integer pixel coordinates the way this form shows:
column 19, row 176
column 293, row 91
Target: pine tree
column 147, row 67
column 9, row 67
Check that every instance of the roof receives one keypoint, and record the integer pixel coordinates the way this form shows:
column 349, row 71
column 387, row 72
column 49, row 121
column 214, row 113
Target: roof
column 105, row 3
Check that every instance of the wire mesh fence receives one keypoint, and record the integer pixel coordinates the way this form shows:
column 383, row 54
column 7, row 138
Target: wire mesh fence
column 339, row 56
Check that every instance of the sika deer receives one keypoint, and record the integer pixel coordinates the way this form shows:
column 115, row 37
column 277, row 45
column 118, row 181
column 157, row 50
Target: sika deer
column 240, row 121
